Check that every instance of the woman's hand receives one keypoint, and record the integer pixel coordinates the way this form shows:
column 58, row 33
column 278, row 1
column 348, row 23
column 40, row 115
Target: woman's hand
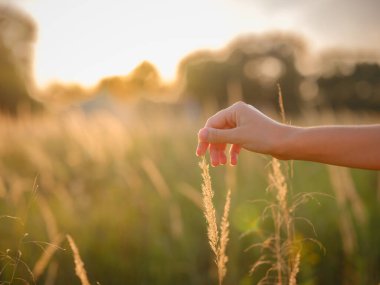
column 242, row 126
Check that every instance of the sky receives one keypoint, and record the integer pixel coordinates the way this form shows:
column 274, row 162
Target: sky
column 84, row 41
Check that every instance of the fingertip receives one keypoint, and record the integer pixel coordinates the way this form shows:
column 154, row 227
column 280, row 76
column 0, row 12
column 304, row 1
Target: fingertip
column 214, row 156
column 222, row 158
column 201, row 148
column 203, row 134
column 234, row 153
column 234, row 159
column 214, row 161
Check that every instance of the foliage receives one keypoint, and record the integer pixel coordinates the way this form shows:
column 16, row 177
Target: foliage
column 17, row 33
column 128, row 191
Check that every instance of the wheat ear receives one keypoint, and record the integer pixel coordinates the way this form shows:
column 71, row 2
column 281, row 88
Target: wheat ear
column 295, row 269
column 218, row 243
column 223, row 241
column 79, row 265
column 208, row 207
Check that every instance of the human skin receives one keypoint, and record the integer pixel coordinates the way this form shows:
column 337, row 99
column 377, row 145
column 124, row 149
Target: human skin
column 245, row 127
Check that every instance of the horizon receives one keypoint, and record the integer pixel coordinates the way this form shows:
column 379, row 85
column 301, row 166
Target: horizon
column 75, row 45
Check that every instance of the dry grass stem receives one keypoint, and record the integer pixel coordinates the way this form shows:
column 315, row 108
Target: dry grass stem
column 51, row 273
column 79, row 265
column 218, row 243
column 280, row 252
column 295, row 269
column 156, row 178
column 224, row 233
column 43, row 261
column 208, row 207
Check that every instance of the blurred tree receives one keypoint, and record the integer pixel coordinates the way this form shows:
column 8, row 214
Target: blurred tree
column 62, row 93
column 144, row 79
column 17, row 33
column 359, row 90
column 253, row 65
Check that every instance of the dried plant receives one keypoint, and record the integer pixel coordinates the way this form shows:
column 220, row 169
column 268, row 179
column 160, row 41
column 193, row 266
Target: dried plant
column 280, row 251
column 79, row 265
column 277, row 250
column 218, row 242
column 43, row 262
column 295, row 269
column 224, row 233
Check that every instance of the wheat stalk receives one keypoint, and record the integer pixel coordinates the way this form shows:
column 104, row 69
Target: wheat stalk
column 208, row 207
column 295, row 269
column 218, row 242
column 79, row 265
column 224, row 233
column 281, row 244
column 43, row 261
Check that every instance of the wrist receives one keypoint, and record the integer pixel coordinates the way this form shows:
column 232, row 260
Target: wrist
column 285, row 141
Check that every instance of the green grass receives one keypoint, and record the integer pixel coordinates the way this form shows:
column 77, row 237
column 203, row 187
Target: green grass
column 92, row 174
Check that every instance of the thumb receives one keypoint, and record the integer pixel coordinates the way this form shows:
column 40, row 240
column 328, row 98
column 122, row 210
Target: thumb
column 212, row 135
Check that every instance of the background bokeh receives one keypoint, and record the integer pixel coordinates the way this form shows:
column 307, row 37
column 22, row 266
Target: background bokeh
column 100, row 106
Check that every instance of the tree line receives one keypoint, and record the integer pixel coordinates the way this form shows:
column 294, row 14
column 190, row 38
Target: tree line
column 249, row 68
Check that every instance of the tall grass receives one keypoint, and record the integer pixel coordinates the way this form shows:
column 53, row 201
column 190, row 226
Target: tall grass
column 79, row 265
column 134, row 180
column 218, row 237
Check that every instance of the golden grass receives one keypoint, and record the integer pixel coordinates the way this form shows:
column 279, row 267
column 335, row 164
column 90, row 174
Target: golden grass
column 104, row 143
column 218, row 239
column 79, row 265
column 279, row 248
column 43, row 262
column 295, row 269
column 277, row 251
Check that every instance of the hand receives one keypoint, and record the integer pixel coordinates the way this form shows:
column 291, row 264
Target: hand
column 242, row 126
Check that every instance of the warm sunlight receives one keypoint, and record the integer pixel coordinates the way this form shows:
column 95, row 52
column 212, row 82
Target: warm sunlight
column 189, row 142
column 83, row 41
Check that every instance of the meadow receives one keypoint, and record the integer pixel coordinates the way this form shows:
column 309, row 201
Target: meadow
column 127, row 189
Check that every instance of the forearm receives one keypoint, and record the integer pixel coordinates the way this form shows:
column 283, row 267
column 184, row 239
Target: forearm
column 352, row 146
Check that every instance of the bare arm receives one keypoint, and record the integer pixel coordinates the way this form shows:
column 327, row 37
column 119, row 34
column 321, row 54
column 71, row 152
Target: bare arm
column 243, row 126
column 351, row 146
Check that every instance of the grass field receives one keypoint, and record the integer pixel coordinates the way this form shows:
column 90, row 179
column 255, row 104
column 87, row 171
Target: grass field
column 128, row 191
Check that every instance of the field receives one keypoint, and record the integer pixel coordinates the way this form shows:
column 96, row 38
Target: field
column 127, row 189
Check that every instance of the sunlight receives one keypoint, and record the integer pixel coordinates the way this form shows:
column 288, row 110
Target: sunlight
column 85, row 41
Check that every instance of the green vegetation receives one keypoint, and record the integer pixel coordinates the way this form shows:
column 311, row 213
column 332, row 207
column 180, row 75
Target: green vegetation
column 129, row 193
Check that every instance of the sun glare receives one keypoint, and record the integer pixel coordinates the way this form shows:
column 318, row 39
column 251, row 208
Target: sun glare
column 83, row 41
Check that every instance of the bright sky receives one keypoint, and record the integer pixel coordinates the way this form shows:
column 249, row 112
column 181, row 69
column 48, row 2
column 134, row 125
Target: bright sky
column 83, row 41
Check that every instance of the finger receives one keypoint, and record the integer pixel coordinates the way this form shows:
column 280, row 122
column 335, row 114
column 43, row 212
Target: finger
column 222, row 155
column 224, row 136
column 225, row 118
column 202, row 142
column 202, row 148
column 234, row 153
column 202, row 135
column 214, row 155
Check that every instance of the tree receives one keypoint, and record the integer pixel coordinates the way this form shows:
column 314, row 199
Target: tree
column 359, row 90
column 17, row 33
column 255, row 64
column 144, row 79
